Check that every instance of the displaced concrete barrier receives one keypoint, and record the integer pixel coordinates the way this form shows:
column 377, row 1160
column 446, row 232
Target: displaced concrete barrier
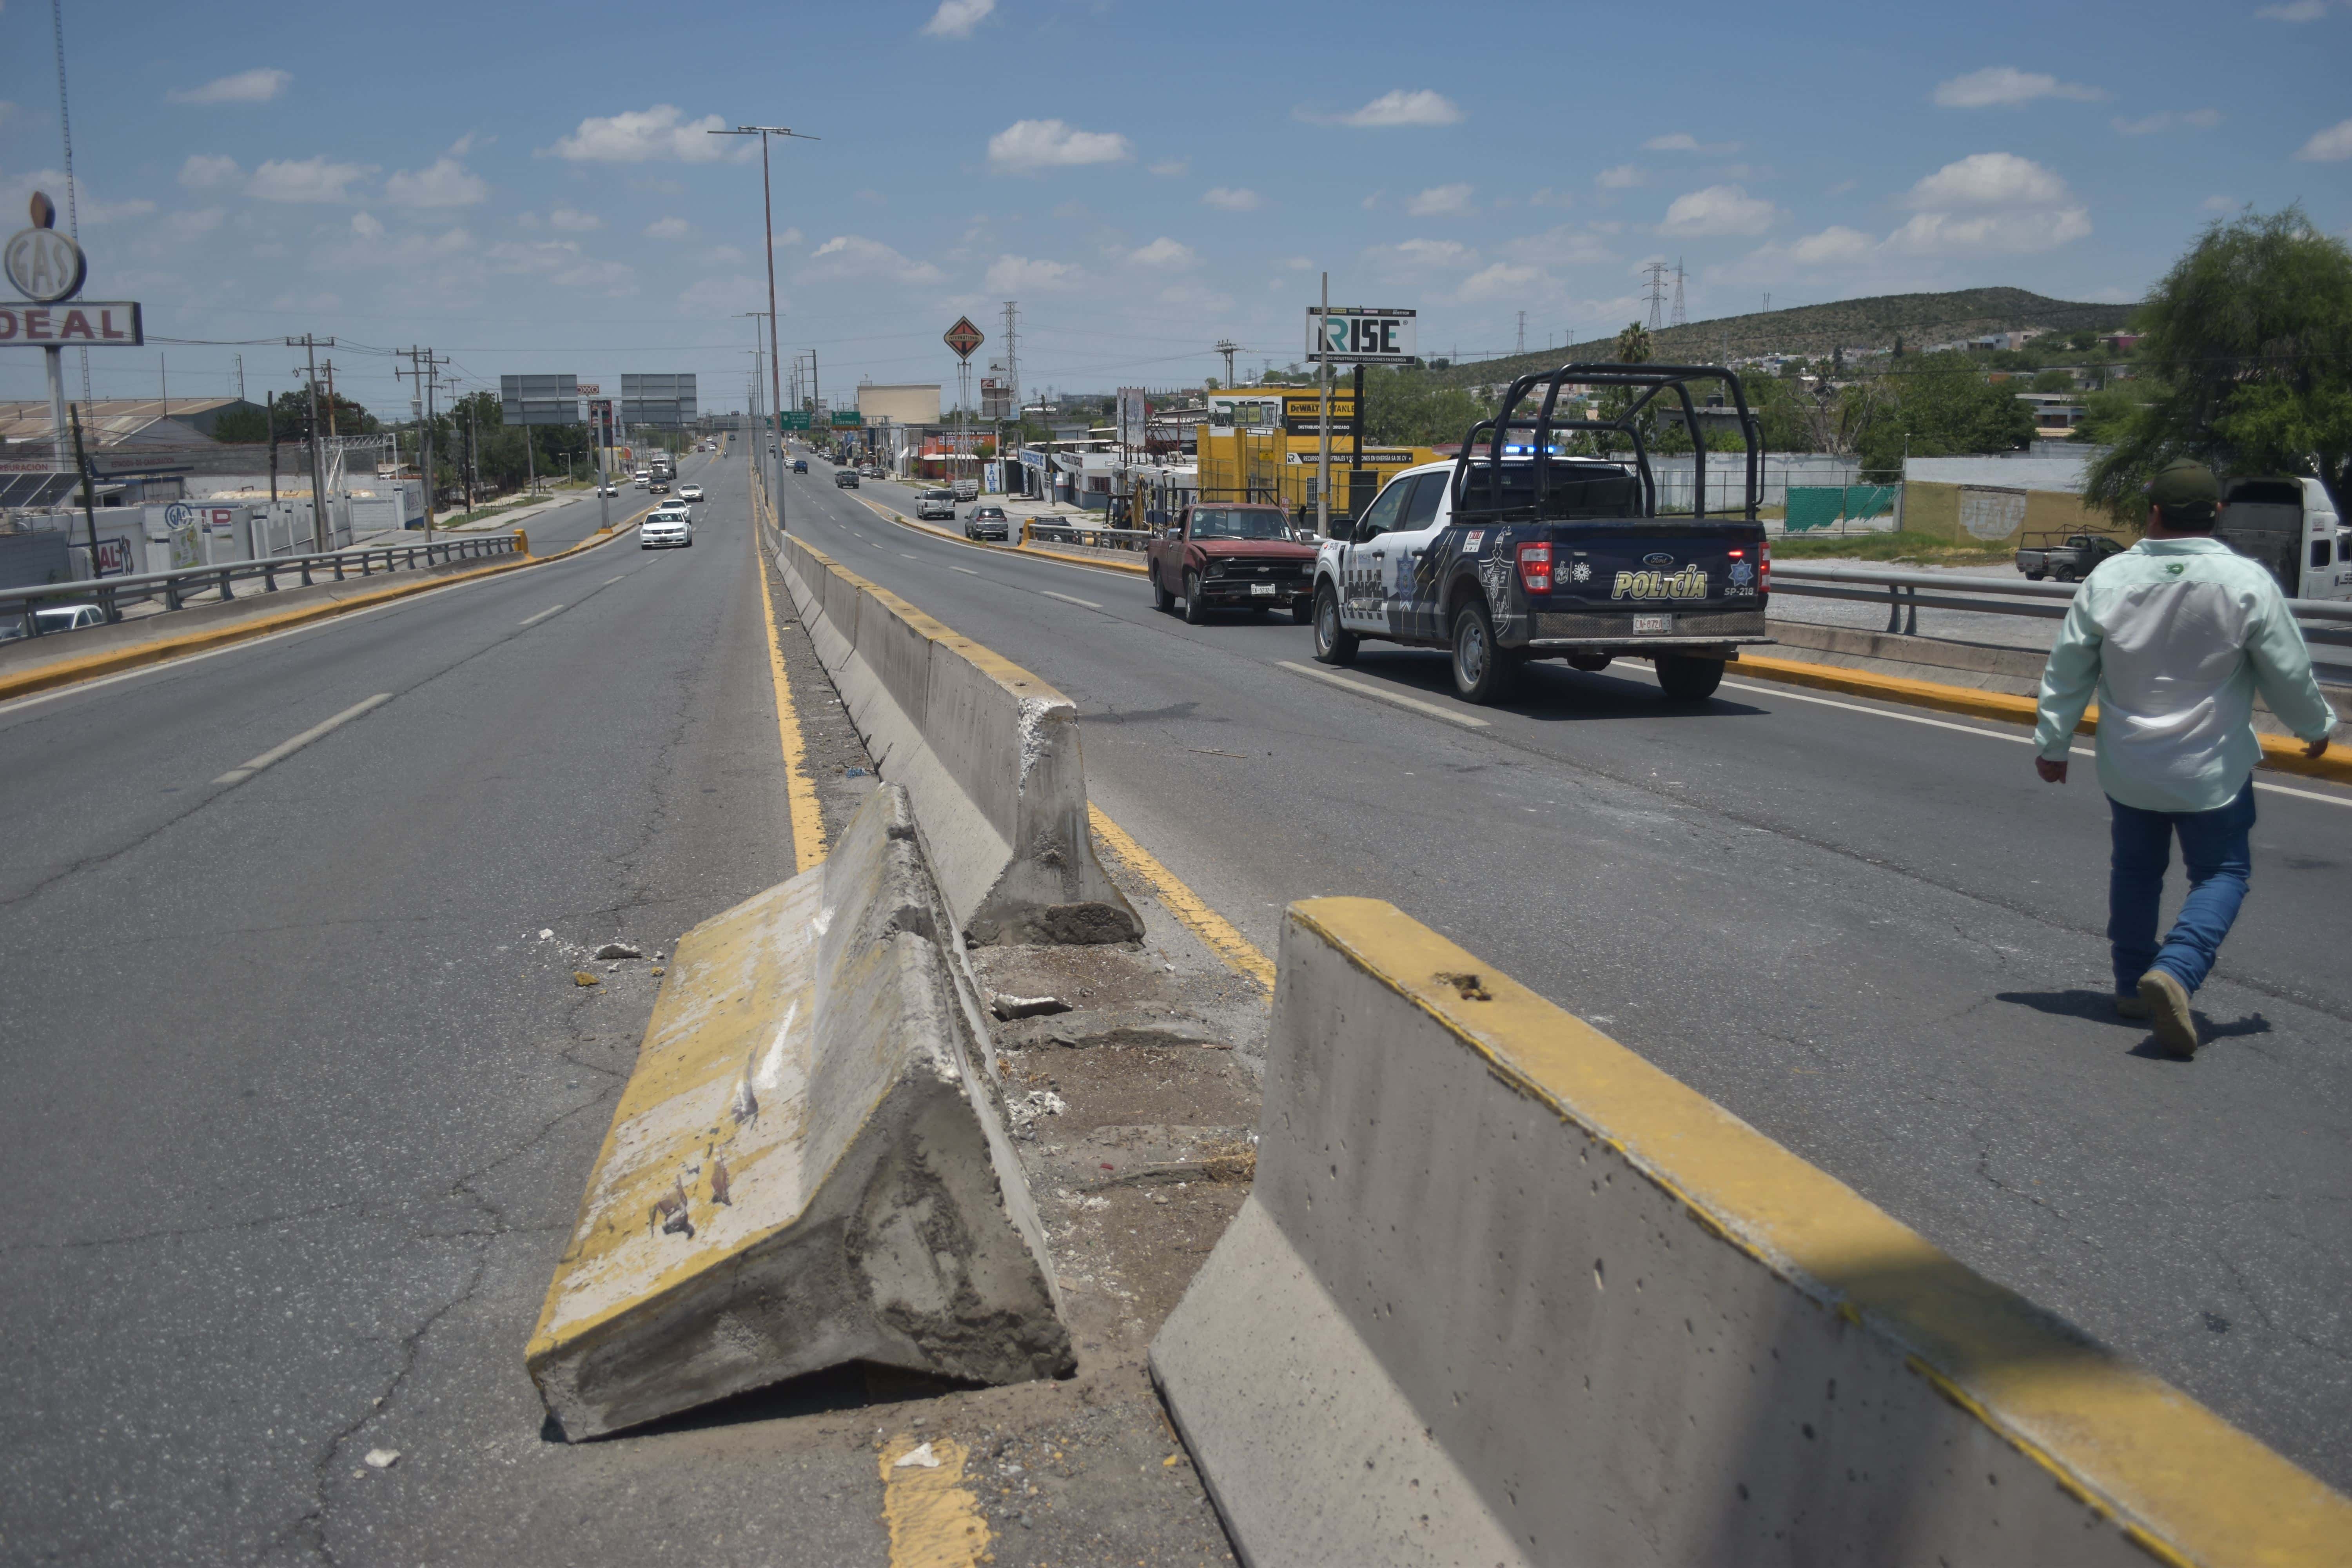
column 808, row 1166
column 1506, row 1293
column 989, row 751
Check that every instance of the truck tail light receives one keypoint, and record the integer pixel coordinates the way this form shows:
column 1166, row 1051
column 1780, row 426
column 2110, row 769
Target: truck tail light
column 1764, row 568
column 1534, row 568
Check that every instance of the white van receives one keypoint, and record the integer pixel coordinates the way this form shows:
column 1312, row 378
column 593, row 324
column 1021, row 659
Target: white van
column 2291, row 526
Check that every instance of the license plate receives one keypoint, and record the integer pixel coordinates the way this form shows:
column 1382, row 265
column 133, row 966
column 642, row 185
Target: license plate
column 1645, row 626
column 1261, row 589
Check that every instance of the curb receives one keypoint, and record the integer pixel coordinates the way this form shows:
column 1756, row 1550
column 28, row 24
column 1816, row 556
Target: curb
column 2279, row 754
column 71, row 672
column 1028, row 550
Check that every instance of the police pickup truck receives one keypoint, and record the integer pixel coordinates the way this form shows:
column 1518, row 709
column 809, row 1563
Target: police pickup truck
column 1502, row 557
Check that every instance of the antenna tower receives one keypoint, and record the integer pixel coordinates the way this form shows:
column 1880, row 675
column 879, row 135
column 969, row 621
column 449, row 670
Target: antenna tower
column 1656, row 293
column 1681, row 318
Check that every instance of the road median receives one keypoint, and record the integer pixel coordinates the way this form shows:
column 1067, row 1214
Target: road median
column 1505, row 1293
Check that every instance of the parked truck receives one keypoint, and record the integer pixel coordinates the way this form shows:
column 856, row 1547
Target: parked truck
column 2069, row 560
column 2291, row 526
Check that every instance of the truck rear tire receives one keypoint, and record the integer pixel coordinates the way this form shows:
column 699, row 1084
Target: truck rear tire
column 1687, row 680
column 1196, row 609
column 1334, row 644
column 1161, row 599
column 1484, row 671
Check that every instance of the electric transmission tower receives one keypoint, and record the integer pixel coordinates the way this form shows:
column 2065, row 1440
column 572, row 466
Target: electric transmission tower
column 1655, row 291
column 1680, row 317
column 1523, row 333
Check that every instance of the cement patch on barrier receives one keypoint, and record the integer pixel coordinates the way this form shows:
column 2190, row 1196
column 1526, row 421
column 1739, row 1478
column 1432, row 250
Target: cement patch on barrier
column 808, row 1166
column 989, row 751
column 1506, row 1293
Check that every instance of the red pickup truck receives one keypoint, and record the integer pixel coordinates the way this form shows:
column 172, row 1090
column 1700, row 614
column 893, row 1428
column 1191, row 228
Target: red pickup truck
column 1232, row 555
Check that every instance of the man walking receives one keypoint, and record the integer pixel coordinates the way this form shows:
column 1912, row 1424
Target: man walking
column 2176, row 635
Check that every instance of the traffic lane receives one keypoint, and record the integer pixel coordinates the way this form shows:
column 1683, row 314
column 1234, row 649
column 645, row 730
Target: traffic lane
column 275, row 1150
column 1925, row 1019
column 91, row 769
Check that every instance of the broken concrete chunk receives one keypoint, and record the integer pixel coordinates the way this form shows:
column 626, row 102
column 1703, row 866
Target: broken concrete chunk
column 1011, row 1007
column 618, row 949
column 382, row 1458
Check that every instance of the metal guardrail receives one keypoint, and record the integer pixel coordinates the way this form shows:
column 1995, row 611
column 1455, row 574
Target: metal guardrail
column 1083, row 533
column 110, row 593
column 2325, row 621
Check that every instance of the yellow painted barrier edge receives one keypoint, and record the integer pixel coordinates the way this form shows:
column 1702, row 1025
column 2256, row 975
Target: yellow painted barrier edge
column 69, row 672
column 2280, row 752
column 800, row 789
column 1220, row 935
column 2184, row 1484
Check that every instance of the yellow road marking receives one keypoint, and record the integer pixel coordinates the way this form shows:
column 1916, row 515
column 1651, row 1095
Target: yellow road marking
column 1221, row 936
column 800, row 790
column 934, row 1520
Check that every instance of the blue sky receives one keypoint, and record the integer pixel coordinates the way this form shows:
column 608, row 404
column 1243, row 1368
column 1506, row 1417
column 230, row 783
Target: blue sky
column 530, row 188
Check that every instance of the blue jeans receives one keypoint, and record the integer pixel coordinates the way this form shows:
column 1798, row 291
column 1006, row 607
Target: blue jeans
column 2213, row 851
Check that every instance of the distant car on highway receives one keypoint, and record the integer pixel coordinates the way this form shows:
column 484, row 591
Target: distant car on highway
column 845, row 478
column 987, row 522
column 641, row 479
column 800, row 465
column 869, row 471
column 670, row 525
column 965, row 490
column 689, row 492
column 935, row 504
column 1231, row 556
column 657, row 487
column 2070, row 561
column 608, row 489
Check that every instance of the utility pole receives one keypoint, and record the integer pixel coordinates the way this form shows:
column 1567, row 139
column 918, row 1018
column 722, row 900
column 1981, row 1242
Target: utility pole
column 1227, row 347
column 240, row 378
column 1681, row 317
column 1656, row 293
column 269, row 411
column 425, row 369
column 768, row 216
column 311, row 345
column 89, row 501
column 1323, row 438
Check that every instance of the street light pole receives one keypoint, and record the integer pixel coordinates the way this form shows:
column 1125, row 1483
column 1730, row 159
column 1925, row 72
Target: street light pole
column 768, row 216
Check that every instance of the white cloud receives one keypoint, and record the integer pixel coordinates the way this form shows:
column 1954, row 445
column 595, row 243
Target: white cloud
column 1025, row 275
column 1987, row 180
column 1414, row 258
column 853, row 256
column 1623, row 177
column 724, row 256
column 256, row 85
column 2218, row 205
column 661, row 134
column 207, row 170
column 573, row 221
column 2295, row 11
column 562, row 263
column 1684, row 141
column 606, row 278
column 1440, row 199
column 2332, row 145
column 669, row 229
column 1163, row 252
column 1300, row 264
column 1718, row 210
column 1547, row 197
column 2203, row 118
column 786, row 236
column 446, row 184
column 957, row 18
column 507, row 256
column 2005, row 232
column 1561, row 246
column 1170, row 168
column 181, row 227
column 1420, row 107
column 1233, row 199
column 1027, row 145
column 2006, row 87
column 366, row 226
column 1833, row 247
column 1502, row 280
column 303, row 180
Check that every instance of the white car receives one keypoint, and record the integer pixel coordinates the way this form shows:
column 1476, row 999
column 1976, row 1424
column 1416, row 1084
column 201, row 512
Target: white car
column 689, row 492
column 669, row 525
column 642, row 478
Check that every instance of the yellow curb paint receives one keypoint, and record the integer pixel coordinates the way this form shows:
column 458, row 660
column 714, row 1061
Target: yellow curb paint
column 800, row 790
column 2186, row 1485
column 1023, row 549
column 933, row 1518
column 1223, row 938
column 68, row 672
column 2280, row 752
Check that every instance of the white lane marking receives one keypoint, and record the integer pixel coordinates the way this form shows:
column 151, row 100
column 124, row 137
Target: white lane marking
column 2025, row 740
column 1399, row 699
column 965, row 570
column 545, row 613
column 904, row 556
column 610, row 581
column 1069, row 599
column 286, row 749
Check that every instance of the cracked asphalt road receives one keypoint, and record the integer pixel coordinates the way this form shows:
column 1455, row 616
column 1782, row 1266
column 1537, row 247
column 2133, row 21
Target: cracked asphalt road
column 299, row 1104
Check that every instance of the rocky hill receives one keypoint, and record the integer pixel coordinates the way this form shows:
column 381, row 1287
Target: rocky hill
column 1814, row 330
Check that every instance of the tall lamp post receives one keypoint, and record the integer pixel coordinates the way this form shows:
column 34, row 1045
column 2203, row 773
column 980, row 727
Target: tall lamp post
column 768, row 213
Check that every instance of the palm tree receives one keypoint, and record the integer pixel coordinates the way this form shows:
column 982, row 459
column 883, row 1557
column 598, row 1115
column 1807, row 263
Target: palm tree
column 1632, row 345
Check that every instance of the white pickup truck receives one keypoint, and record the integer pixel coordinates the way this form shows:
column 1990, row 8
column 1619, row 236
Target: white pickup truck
column 2291, row 526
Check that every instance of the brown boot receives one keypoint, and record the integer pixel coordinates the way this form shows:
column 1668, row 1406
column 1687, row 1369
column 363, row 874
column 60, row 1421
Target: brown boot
column 2166, row 1001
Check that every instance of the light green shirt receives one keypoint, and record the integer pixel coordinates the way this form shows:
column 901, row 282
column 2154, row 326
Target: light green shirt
column 2176, row 636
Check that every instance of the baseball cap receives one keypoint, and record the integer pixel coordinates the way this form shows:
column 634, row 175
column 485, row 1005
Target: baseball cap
column 2186, row 490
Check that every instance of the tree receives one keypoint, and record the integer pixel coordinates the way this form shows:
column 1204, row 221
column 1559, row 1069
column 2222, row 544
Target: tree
column 1632, row 345
column 2245, row 356
column 1780, row 418
column 2054, row 381
column 293, row 410
column 242, row 427
column 1406, row 406
column 1940, row 406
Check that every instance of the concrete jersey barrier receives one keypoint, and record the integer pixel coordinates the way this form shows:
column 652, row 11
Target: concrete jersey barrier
column 1506, row 1293
column 988, row 751
column 808, row 1165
